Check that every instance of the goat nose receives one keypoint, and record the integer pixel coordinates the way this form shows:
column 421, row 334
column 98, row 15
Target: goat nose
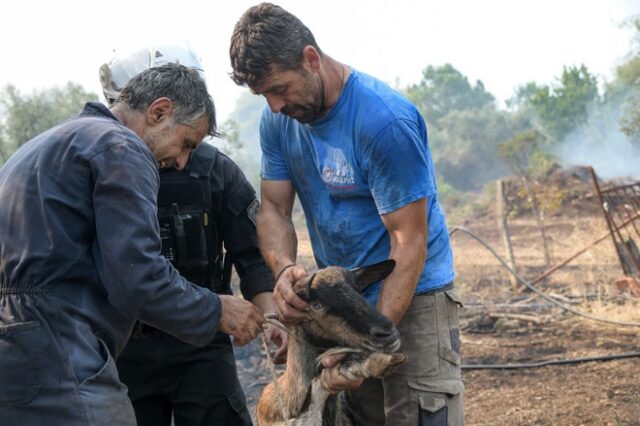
column 382, row 333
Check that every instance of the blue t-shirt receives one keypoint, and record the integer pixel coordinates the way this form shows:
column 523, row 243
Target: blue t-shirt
column 368, row 157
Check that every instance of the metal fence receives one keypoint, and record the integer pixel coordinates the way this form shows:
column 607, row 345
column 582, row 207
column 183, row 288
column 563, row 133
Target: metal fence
column 621, row 208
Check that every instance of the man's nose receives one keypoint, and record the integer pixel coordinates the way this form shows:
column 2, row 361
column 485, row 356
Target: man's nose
column 182, row 158
column 275, row 103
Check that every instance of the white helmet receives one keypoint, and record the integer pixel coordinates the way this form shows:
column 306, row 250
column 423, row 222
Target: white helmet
column 126, row 64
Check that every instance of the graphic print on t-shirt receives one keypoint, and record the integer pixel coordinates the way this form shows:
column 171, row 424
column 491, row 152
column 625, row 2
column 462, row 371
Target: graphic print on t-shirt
column 337, row 173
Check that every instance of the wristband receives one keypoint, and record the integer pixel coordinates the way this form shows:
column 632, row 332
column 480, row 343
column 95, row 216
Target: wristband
column 282, row 270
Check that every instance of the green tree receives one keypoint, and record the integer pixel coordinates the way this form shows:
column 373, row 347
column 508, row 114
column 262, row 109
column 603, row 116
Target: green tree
column 230, row 138
column 464, row 126
column 630, row 122
column 565, row 106
column 4, row 151
column 523, row 153
column 465, row 146
column 522, row 98
column 520, row 151
column 241, row 139
column 27, row 116
column 444, row 89
column 626, row 88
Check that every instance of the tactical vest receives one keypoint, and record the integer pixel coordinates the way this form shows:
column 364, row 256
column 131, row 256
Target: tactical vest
column 188, row 226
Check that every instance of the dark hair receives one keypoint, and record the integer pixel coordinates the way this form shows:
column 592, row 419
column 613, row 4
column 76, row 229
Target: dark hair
column 265, row 36
column 184, row 86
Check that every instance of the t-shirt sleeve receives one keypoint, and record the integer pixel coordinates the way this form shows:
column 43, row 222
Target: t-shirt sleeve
column 397, row 165
column 274, row 166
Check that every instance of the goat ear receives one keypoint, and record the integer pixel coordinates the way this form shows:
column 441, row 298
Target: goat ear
column 367, row 275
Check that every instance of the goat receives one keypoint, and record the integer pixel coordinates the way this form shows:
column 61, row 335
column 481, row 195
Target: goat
column 341, row 317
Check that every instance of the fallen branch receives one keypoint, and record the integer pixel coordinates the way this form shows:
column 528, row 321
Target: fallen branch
column 521, row 317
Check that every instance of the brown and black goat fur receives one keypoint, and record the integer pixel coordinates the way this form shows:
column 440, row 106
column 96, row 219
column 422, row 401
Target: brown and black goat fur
column 341, row 318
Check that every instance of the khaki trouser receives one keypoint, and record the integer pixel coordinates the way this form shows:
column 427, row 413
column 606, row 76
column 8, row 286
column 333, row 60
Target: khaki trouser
column 427, row 389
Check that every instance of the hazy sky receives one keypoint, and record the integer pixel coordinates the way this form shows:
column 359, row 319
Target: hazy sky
column 504, row 43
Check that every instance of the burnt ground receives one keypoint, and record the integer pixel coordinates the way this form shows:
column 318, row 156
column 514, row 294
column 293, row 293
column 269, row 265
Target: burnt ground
column 590, row 393
column 502, row 324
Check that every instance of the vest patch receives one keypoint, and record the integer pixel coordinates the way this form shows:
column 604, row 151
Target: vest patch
column 252, row 211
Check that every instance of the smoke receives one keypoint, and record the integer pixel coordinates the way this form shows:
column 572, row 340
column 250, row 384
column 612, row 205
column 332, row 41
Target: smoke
column 601, row 144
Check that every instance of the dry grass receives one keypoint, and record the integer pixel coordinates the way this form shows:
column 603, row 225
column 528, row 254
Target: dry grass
column 581, row 394
column 615, row 309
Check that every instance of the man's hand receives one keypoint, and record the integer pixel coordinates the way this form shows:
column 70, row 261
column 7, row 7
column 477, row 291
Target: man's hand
column 332, row 380
column 264, row 301
column 291, row 308
column 240, row 319
column 281, row 339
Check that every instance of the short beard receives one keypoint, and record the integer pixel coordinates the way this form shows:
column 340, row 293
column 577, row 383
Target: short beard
column 312, row 110
column 156, row 141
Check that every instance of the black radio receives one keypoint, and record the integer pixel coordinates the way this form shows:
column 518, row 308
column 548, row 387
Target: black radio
column 168, row 242
column 183, row 236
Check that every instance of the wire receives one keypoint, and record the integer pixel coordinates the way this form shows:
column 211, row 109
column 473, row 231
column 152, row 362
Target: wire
column 535, row 290
column 550, row 362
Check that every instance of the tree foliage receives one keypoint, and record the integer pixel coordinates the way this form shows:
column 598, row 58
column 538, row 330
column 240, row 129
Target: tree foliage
column 519, row 151
column 464, row 146
column 27, row 116
column 230, row 141
column 627, row 87
column 565, row 106
column 464, row 126
column 630, row 122
column 242, row 139
column 444, row 89
column 626, row 90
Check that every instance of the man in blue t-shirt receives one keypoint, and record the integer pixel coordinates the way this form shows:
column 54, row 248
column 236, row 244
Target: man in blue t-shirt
column 356, row 153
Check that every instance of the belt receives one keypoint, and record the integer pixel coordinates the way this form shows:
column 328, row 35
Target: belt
column 436, row 290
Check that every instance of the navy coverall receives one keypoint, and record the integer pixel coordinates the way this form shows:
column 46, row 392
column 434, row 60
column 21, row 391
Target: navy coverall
column 79, row 262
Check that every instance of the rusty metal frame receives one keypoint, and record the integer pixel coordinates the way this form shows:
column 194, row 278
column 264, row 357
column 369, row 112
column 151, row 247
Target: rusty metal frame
column 621, row 208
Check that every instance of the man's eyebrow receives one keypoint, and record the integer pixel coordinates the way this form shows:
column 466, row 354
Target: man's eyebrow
column 270, row 89
column 277, row 88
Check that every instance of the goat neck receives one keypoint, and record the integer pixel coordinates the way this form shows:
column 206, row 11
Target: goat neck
column 294, row 384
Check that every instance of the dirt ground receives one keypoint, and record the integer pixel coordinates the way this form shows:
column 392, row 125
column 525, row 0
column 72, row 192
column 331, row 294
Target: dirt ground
column 502, row 324
column 590, row 393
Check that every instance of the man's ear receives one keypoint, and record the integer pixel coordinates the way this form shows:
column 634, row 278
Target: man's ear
column 159, row 110
column 311, row 58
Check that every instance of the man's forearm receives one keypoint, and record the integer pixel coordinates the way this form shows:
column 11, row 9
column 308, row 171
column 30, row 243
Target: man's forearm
column 399, row 287
column 264, row 301
column 408, row 231
column 277, row 239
